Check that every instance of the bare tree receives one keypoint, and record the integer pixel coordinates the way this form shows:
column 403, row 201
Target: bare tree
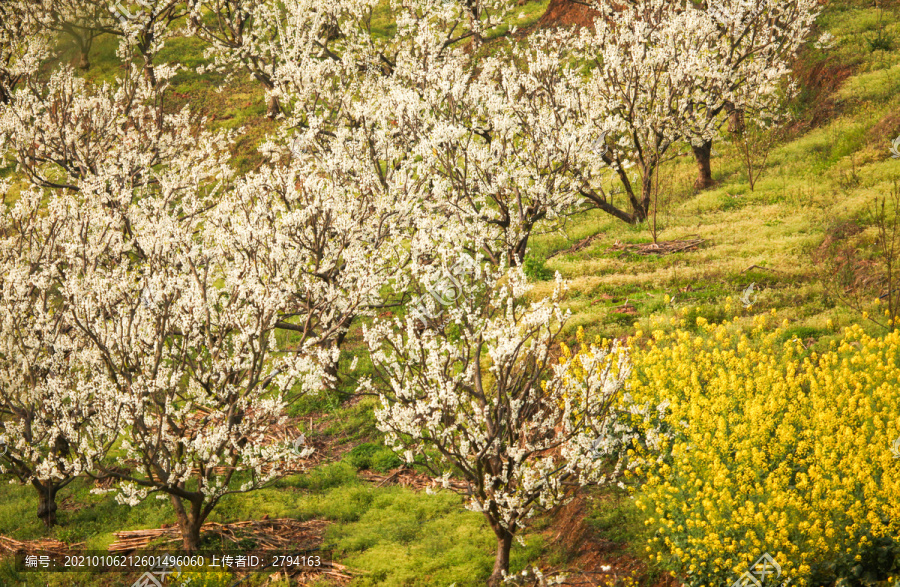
column 885, row 214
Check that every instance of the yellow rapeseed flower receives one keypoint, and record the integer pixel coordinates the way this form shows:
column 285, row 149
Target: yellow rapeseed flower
column 768, row 449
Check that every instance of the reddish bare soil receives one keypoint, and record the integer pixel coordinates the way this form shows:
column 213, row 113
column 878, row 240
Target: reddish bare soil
column 567, row 13
column 820, row 81
column 886, row 130
column 595, row 561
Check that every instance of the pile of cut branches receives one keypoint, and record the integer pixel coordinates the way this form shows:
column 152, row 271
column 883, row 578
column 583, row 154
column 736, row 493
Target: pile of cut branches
column 278, row 534
column 8, row 545
column 579, row 246
column 659, row 248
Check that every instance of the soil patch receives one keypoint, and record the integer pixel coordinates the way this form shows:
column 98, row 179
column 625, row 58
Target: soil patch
column 819, row 82
column 566, row 13
column 840, row 260
column 595, row 561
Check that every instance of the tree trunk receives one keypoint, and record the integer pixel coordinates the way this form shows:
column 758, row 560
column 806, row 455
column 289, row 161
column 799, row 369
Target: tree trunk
column 735, row 120
column 84, row 54
column 150, row 73
column 83, row 62
column 83, row 43
column 501, row 562
column 516, row 255
column 273, row 108
column 331, row 370
column 188, row 522
column 704, row 170
column 601, row 203
column 641, row 212
column 144, row 48
column 46, row 502
column 190, row 537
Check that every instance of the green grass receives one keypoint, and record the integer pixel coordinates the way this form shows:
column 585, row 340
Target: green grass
column 391, row 536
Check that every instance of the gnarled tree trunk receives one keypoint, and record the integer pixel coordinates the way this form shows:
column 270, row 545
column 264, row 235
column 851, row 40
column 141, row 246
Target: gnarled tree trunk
column 501, row 561
column 83, row 42
column 46, row 501
column 273, row 108
column 189, row 522
column 702, row 155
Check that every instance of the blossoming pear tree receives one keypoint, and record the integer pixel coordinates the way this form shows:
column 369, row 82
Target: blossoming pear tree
column 477, row 394
column 750, row 65
column 23, row 46
column 330, row 233
column 170, row 327
column 483, row 129
column 143, row 27
column 498, row 139
column 243, row 35
column 252, row 37
column 264, row 36
column 665, row 72
column 188, row 337
column 647, row 62
column 64, row 130
column 57, row 418
column 185, row 338
column 80, row 21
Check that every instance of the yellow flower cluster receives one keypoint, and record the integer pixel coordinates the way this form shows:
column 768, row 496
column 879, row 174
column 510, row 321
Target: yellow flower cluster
column 202, row 577
column 772, row 449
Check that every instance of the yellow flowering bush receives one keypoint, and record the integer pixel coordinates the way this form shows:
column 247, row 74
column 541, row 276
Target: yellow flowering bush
column 770, row 449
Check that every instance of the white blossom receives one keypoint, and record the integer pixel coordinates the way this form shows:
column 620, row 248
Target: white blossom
column 479, row 389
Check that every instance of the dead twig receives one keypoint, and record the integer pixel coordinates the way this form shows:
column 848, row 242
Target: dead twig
column 31, row 546
column 409, row 478
column 579, row 246
column 751, row 267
